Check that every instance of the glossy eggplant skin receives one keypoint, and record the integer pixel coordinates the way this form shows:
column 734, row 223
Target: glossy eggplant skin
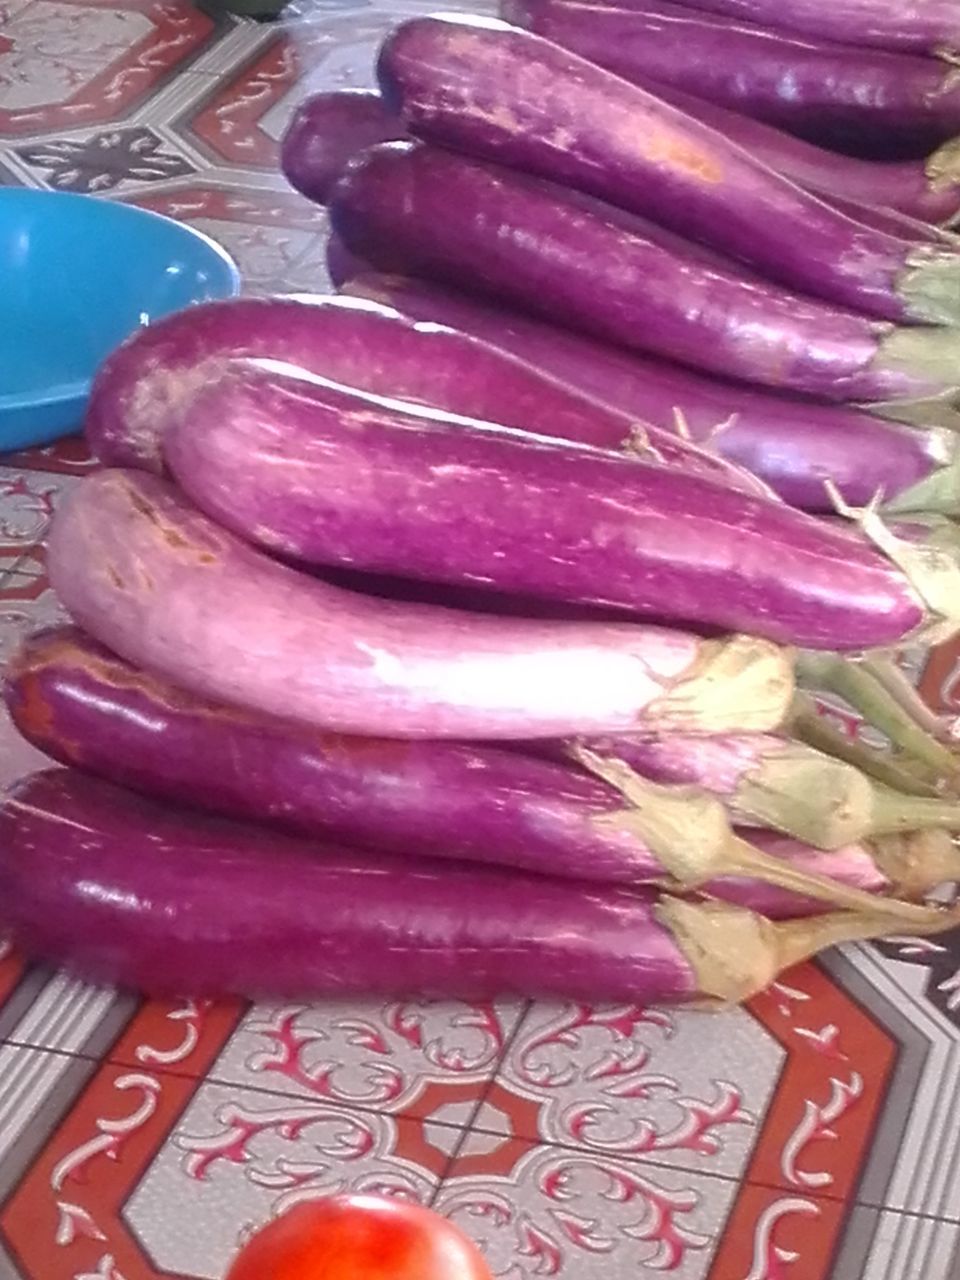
column 164, row 587
column 800, row 84
column 472, row 802
column 124, row 890
column 918, row 26
column 325, row 131
column 794, row 445
column 87, row 708
column 509, row 96
column 452, row 500
column 364, row 345
column 906, row 186
column 479, row 226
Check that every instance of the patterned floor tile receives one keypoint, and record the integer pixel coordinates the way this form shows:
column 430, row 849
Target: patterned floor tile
column 912, row 1163
column 241, row 118
column 69, row 63
column 539, row 1211
column 149, row 1173
column 69, row 456
column 266, row 232
column 27, row 503
column 760, row 1093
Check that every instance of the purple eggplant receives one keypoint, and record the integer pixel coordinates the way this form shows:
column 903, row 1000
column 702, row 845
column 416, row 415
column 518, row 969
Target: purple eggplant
column 770, row 781
column 123, row 890
column 325, row 131
column 483, row 227
column 806, row 86
column 509, row 96
column 172, row 592
column 914, row 865
column 926, row 190
column 324, row 475
column 794, row 445
column 475, row 803
column 919, row 26
column 365, row 345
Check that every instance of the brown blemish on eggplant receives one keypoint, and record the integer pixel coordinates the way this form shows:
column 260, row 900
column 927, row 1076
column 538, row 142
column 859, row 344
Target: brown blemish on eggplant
column 170, row 536
column 115, row 578
column 680, row 154
column 30, row 710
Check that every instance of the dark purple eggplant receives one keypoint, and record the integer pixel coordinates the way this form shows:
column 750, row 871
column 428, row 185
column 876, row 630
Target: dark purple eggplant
column 805, row 85
column 926, row 190
column 509, row 96
column 122, row 890
column 360, row 344
column 328, row 476
column 325, row 131
column 482, row 227
column 476, row 803
column 919, row 26
column 792, row 444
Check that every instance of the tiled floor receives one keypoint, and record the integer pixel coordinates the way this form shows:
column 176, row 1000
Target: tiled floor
column 815, row 1134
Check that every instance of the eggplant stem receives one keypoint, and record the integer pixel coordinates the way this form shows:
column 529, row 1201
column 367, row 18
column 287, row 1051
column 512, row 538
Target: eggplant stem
column 891, row 676
column 810, row 727
column 743, row 859
column 857, row 685
column 691, row 835
column 798, row 940
column 933, row 572
column 894, row 813
column 734, row 953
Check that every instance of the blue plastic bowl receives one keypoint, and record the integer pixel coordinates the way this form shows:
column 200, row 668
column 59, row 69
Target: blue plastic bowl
column 79, row 274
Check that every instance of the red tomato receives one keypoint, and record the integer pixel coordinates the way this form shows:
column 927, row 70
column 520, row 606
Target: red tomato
column 359, row 1238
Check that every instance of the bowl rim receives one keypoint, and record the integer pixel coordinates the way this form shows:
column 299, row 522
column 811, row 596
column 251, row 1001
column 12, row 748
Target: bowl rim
column 79, row 388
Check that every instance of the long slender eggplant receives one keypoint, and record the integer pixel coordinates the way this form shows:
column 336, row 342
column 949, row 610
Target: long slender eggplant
column 928, row 190
column 794, row 445
column 325, row 131
column 330, row 128
column 507, row 95
column 120, row 889
column 366, row 345
column 324, row 475
column 805, row 85
column 770, row 781
column 484, row 227
column 170, row 591
column 476, row 803
column 921, row 26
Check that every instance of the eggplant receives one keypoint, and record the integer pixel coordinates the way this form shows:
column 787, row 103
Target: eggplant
column 371, row 347
column 509, row 96
column 479, row 226
column 794, row 445
column 919, row 26
column 170, row 591
column 325, row 131
column 322, row 474
column 122, row 890
column 771, row 781
column 804, row 85
column 928, row 190
column 471, row 802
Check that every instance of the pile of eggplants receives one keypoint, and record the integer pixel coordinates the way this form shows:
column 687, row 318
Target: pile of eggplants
column 456, row 635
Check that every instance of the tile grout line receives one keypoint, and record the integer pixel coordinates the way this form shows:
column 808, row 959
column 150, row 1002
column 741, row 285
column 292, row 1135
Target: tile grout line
column 470, row 1126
